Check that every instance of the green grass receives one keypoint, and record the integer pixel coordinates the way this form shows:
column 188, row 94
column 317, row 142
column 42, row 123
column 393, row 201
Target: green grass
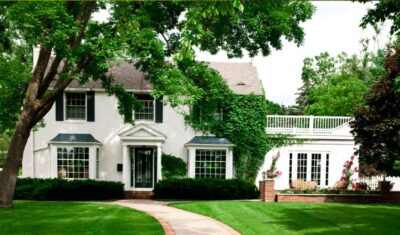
column 57, row 218
column 300, row 218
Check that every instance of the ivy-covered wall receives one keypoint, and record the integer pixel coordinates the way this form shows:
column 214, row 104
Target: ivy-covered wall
column 240, row 118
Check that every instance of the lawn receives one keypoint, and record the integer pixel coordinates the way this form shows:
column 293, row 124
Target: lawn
column 301, row 218
column 31, row 217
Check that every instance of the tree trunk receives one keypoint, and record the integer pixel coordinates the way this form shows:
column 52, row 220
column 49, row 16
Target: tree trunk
column 13, row 163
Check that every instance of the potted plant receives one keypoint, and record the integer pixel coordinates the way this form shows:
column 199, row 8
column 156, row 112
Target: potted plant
column 272, row 173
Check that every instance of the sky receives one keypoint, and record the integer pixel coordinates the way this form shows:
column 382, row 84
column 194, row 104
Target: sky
column 334, row 28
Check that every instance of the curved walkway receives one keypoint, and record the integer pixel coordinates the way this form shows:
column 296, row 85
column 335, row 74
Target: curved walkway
column 177, row 221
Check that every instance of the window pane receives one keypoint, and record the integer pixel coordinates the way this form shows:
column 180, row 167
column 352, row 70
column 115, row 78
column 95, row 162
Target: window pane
column 301, row 166
column 210, row 163
column 316, row 167
column 76, row 106
column 73, row 163
column 147, row 113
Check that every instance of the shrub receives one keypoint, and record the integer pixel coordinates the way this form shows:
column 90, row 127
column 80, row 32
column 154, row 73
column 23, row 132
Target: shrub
column 172, row 167
column 205, row 189
column 67, row 190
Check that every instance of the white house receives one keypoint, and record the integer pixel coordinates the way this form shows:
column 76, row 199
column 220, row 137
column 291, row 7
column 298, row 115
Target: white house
column 85, row 137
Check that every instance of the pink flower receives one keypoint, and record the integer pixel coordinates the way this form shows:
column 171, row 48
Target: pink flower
column 351, row 162
column 356, row 169
column 352, row 158
column 343, row 178
column 344, row 171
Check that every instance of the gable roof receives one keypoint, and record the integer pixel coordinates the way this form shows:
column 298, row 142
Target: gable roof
column 242, row 78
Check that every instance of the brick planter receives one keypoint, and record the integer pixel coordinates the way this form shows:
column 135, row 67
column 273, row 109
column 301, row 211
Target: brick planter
column 267, row 190
column 349, row 198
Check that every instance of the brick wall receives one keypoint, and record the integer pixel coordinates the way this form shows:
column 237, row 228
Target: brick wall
column 139, row 194
column 267, row 190
column 375, row 198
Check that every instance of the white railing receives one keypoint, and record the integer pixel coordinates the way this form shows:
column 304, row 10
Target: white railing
column 304, row 124
column 372, row 181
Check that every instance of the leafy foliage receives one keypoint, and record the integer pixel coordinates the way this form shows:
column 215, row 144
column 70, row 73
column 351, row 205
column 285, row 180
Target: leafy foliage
column 376, row 127
column 4, row 142
column 172, row 167
column 335, row 86
column 65, row 190
column 205, row 189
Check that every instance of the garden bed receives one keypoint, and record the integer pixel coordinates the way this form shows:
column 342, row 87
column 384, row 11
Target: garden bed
column 320, row 197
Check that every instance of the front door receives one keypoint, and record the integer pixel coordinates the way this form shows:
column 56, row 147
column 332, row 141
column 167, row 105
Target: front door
column 143, row 168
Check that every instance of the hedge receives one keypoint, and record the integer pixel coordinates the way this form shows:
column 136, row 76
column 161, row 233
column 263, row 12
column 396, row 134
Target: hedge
column 172, row 167
column 67, row 190
column 205, row 189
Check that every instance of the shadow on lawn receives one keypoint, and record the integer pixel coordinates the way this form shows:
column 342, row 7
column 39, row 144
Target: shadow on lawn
column 338, row 219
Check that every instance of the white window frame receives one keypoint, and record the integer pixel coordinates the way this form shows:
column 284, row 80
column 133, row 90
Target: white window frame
column 213, row 160
column 309, row 159
column 192, row 159
column 54, row 158
column 65, row 107
column 154, row 110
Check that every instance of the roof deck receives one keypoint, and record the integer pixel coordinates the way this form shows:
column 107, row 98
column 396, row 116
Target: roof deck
column 308, row 125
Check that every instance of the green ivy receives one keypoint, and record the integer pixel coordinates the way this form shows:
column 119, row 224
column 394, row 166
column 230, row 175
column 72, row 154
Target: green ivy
column 243, row 121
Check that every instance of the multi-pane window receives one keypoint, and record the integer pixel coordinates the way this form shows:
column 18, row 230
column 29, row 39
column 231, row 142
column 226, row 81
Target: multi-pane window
column 302, row 166
column 210, row 163
column 147, row 113
column 73, row 162
column 327, row 170
column 316, row 167
column 76, row 106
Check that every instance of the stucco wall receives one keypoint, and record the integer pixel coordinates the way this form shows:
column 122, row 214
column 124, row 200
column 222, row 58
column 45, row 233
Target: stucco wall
column 108, row 124
column 339, row 151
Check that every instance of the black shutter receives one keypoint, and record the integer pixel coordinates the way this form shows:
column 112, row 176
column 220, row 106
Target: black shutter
column 159, row 110
column 60, row 107
column 90, row 106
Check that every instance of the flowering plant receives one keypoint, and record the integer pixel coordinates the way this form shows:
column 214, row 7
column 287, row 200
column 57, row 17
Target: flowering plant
column 272, row 172
column 347, row 171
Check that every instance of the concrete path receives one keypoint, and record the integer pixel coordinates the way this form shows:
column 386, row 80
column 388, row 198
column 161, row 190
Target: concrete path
column 177, row 221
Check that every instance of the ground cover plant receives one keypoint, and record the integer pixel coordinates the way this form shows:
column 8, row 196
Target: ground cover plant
column 300, row 218
column 32, row 217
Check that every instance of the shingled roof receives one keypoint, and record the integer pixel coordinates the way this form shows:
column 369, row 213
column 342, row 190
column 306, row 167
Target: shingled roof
column 242, row 78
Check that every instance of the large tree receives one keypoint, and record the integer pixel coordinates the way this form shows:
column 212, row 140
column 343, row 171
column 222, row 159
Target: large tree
column 74, row 46
column 376, row 127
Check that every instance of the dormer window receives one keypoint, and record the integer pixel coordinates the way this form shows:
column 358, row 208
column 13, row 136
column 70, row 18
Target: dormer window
column 147, row 113
column 75, row 106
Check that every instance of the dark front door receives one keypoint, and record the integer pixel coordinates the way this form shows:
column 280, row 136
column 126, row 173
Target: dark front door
column 143, row 162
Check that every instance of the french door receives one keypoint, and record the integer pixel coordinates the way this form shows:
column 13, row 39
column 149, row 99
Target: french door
column 309, row 166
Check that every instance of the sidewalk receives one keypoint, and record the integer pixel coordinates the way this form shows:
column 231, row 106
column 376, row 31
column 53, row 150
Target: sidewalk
column 177, row 221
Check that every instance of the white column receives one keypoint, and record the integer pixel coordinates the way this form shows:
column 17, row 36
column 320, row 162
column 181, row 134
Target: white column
column 191, row 163
column 125, row 167
column 53, row 161
column 229, row 164
column 92, row 162
column 159, row 153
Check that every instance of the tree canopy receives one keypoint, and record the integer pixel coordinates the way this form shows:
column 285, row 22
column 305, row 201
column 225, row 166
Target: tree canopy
column 158, row 38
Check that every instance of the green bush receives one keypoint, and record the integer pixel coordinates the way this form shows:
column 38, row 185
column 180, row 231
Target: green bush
column 67, row 190
column 205, row 189
column 172, row 167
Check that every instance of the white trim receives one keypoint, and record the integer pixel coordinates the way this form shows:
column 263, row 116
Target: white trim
column 73, row 143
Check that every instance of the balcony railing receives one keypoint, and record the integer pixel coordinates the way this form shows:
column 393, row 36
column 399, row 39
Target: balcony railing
column 305, row 124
